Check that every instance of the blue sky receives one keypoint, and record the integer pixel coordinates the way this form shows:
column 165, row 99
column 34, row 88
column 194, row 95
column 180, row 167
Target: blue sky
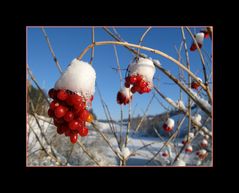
column 69, row 42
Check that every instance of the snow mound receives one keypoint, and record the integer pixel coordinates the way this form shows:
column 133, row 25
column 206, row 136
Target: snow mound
column 125, row 153
column 144, row 67
column 79, row 77
column 126, row 92
column 197, row 118
column 181, row 105
column 191, row 135
column 180, row 162
column 170, row 123
column 171, row 101
column 156, row 62
column 199, row 37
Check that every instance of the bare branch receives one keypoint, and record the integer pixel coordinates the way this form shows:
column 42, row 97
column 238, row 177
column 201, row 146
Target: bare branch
column 142, row 38
column 87, row 152
column 52, row 52
column 93, row 48
column 35, row 81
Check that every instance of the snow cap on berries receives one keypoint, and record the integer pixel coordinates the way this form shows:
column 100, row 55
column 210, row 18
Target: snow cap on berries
column 201, row 132
column 204, row 129
column 157, row 62
column 204, row 142
column 126, row 92
column 144, row 67
column 202, row 152
column 189, row 148
column 170, row 123
column 199, row 37
column 197, row 118
column 79, row 77
column 181, row 105
column 191, row 135
column 180, row 162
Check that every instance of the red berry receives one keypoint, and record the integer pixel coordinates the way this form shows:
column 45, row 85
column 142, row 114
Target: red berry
column 146, row 90
column 83, row 131
column 62, row 95
column 73, row 138
column 67, row 132
column 79, row 106
column 52, row 93
column 50, row 113
column 119, row 98
column 73, row 125
column 91, row 98
column 69, row 100
column 64, row 128
column 139, row 78
column 133, row 79
column 127, row 84
column 69, row 116
column 184, row 142
column 76, row 99
column 60, row 111
column 143, row 84
column 195, row 85
column 135, row 89
column 84, row 115
column 164, row 154
column 58, row 122
column 166, row 128
column 60, row 130
column 54, row 104
column 127, row 79
column 141, row 91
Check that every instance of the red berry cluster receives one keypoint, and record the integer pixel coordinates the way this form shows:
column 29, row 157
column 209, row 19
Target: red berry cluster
column 69, row 113
column 139, row 84
column 122, row 99
column 195, row 85
column 167, row 128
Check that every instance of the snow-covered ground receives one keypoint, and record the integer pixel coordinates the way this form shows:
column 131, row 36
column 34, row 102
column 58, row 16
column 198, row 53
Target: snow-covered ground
column 60, row 146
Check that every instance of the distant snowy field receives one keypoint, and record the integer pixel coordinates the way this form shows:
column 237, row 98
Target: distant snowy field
column 60, row 146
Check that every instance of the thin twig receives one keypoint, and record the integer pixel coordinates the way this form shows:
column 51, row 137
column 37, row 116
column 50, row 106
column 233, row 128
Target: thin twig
column 108, row 116
column 142, row 38
column 189, row 79
column 175, row 106
column 168, row 141
column 35, row 81
column 128, row 45
column 145, row 113
column 121, row 106
column 181, row 150
column 157, row 133
column 52, row 52
column 87, row 152
column 93, row 48
column 129, row 124
column 203, row 65
column 106, row 140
